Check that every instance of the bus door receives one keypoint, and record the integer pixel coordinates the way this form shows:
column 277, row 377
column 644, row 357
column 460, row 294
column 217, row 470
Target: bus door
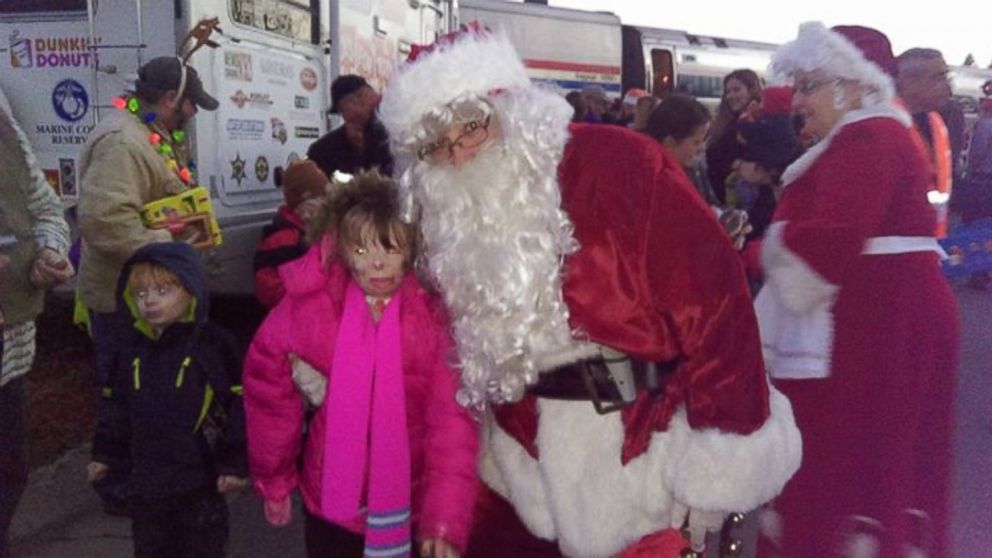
column 662, row 71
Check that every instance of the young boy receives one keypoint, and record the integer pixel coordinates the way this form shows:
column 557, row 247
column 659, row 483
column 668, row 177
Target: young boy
column 171, row 414
column 303, row 185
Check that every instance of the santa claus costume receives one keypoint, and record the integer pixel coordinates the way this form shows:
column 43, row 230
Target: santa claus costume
column 552, row 247
column 859, row 327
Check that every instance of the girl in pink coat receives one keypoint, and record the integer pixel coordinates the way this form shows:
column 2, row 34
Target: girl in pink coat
column 390, row 456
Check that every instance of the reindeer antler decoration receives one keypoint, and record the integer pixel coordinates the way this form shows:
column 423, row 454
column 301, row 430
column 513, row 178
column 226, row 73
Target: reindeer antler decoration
column 201, row 32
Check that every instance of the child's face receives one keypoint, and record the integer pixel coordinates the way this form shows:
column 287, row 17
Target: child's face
column 377, row 270
column 162, row 305
column 754, row 173
column 308, row 208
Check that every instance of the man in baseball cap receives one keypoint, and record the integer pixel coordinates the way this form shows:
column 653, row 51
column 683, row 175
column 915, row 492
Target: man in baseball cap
column 360, row 143
column 169, row 73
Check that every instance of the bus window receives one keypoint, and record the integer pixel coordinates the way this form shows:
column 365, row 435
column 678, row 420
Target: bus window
column 662, row 81
column 700, row 86
column 288, row 18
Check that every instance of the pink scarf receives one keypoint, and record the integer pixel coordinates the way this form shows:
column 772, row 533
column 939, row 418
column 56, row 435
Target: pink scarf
column 366, row 429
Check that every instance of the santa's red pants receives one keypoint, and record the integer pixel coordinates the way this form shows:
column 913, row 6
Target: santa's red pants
column 499, row 533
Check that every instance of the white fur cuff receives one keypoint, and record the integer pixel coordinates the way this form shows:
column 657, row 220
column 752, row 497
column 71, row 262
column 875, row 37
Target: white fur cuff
column 799, row 286
column 732, row 472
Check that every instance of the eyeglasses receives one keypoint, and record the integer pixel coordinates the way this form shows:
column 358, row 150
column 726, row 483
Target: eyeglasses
column 809, row 87
column 443, row 150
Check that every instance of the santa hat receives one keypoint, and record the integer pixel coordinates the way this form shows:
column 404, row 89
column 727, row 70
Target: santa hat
column 473, row 62
column 818, row 48
column 873, row 44
column 633, row 94
column 776, row 100
column 302, row 178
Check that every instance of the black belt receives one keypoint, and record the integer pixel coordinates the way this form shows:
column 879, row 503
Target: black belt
column 590, row 380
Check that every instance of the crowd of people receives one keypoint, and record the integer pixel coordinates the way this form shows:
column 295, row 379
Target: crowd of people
column 507, row 322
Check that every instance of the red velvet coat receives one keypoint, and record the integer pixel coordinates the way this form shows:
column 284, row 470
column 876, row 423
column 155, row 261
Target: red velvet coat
column 657, row 278
column 877, row 430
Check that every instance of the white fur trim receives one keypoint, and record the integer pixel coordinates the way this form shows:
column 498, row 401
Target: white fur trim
column 818, row 48
column 802, row 164
column 474, row 65
column 730, row 472
column 581, row 495
column 799, row 286
column 507, row 468
column 549, row 358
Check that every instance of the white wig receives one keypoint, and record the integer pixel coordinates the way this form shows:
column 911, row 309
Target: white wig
column 820, row 49
column 494, row 233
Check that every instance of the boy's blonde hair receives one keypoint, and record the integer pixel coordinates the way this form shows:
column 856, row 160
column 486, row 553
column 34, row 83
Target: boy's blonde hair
column 145, row 274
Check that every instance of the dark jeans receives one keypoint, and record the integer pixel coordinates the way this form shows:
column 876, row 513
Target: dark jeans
column 326, row 540
column 107, row 331
column 13, row 469
column 192, row 525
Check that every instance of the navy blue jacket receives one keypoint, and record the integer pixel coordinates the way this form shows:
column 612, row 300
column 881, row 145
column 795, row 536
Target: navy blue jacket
column 172, row 410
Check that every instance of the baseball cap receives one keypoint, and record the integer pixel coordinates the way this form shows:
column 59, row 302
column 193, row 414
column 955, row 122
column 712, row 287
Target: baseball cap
column 166, row 73
column 633, row 94
column 343, row 86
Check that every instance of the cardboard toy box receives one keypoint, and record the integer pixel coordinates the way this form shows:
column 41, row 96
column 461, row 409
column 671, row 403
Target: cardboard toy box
column 187, row 214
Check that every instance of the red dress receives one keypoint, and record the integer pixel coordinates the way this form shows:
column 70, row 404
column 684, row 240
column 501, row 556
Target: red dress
column 656, row 278
column 877, row 429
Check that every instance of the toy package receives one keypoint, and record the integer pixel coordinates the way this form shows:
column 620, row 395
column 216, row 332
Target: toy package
column 189, row 216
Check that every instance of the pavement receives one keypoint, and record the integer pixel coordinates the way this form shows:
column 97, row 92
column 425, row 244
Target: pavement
column 61, row 517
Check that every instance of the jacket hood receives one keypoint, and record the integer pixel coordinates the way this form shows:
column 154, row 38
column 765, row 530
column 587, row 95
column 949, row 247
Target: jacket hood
column 182, row 260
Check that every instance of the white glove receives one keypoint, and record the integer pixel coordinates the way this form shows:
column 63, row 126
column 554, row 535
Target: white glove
column 700, row 523
column 311, row 384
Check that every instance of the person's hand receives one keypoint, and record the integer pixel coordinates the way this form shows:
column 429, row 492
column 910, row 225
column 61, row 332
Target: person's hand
column 50, row 268
column 4, row 260
column 230, row 483
column 311, row 384
column 437, row 548
column 278, row 512
column 698, row 523
column 96, row 471
column 735, row 222
column 190, row 234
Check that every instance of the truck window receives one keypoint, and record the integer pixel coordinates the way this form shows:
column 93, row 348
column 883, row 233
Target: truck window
column 662, row 81
column 34, row 6
column 287, row 18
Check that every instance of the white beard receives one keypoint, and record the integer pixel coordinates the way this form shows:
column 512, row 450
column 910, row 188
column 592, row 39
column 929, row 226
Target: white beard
column 495, row 237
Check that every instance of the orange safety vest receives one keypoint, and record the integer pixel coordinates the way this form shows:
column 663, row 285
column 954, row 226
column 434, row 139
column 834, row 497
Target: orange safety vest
column 939, row 155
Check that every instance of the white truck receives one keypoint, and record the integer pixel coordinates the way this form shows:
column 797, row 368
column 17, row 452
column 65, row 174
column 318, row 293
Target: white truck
column 63, row 61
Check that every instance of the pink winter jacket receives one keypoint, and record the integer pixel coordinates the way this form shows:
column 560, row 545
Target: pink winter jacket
column 443, row 437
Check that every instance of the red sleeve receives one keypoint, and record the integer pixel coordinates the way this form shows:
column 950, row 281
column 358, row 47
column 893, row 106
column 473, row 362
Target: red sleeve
column 268, row 286
column 657, row 278
column 280, row 247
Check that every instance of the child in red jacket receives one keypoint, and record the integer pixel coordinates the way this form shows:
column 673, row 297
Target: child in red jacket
column 390, row 456
column 303, row 186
